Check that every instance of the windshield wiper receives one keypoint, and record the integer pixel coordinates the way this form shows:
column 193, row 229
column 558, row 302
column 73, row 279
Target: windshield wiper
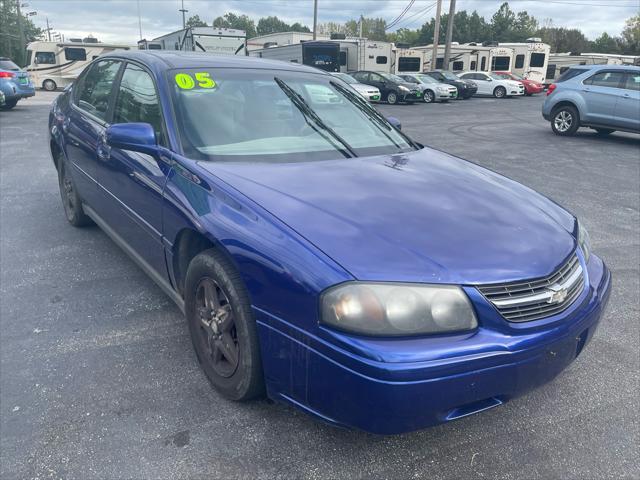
column 311, row 116
column 373, row 114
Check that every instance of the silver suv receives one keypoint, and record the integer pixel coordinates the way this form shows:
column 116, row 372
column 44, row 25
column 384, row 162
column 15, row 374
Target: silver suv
column 603, row 97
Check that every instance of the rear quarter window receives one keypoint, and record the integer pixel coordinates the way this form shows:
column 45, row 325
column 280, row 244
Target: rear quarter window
column 570, row 73
column 8, row 65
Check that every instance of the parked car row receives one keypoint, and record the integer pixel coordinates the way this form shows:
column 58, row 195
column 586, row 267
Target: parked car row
column 15, row 84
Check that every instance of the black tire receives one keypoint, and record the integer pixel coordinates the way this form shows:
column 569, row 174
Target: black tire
column 604, row 131
column 9, row 105
column 223, row 330
column 565, row 120
column 71, row 202
column 49, row 85
column 499, row 92
column 392, row 98
column 429, row 96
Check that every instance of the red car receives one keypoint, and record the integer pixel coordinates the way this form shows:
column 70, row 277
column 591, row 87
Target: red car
column 530, row 87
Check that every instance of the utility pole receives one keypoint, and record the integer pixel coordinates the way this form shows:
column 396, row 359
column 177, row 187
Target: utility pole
column 184, row 23
column 315, row 18
column 140, row 20
column 361, row 27
column 48, row 30
column 447, row 44
column 436, row 35
column 23, row 43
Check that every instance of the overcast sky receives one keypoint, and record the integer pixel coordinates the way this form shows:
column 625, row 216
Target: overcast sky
column 117, row 20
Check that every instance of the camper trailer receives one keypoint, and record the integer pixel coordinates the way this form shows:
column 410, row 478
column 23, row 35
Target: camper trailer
column 319, row 54
column 560, row 62
column 467, row 57
column 530, row 59
column 219, row 41
column 406, row 60
column 53, row 65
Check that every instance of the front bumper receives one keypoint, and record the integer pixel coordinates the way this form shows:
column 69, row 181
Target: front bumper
column 413, row 96
column 376, row 386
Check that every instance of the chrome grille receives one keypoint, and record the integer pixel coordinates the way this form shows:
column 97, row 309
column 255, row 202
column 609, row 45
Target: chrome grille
column 540, row 298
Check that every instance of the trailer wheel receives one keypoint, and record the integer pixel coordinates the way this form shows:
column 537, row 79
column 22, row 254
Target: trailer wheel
column 392, row 98
column 49, row 85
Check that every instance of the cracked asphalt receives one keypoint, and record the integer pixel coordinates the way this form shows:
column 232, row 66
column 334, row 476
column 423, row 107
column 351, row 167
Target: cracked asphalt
column 98, row 378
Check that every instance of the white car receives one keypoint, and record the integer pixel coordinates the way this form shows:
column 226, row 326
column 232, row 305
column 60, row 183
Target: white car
column 370, row 93
column 492, row 84
column 432, row 90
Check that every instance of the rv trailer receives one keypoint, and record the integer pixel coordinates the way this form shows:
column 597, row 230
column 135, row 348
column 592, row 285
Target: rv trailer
column 323, row 55
column 53, row 65
column 218, row 41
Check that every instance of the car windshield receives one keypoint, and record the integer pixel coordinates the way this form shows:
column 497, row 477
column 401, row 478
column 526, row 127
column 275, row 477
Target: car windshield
column 449, row 75
column 345, row 78
column 426, row 79
column 271, row 116
column 393, row 78
column 8, row 65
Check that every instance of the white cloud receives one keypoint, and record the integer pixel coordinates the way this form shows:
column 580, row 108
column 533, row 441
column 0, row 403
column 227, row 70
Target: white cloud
column 117, row 20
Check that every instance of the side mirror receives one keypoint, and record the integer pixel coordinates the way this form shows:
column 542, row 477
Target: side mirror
column 489, row 79
column 137, row 137
column 395, row 122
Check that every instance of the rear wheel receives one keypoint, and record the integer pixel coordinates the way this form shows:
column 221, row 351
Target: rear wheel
column 70, row 199
column 604, row 131
column 223, row 330
column 9, row 105
column 392, row 98
column 429, row 96
column 565, row 120
column 499, row 92
column 49, row 85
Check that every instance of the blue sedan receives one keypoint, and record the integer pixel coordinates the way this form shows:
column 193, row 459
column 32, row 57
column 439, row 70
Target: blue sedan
column 321, row 256
column 15, row 84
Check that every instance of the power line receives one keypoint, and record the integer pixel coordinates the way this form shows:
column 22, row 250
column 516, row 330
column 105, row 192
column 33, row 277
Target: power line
column 402, row 14
column 419, row 14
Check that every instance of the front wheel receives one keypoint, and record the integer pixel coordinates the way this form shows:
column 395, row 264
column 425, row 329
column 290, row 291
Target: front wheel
column 500, row 92
column 223, row 330
column 429, row 96
column 9, row 105
column 392, row 98
column 565, row 121
column 49, row 85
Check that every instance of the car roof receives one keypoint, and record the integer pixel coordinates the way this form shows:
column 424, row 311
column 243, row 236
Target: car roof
column 604, row 67
column 170, row 59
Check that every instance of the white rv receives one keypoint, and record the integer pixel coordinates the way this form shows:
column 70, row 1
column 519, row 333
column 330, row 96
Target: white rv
column 560, row 62
column 219, row 41
column 530, row 59
column 53, row 65
column 467, row 57
column 407, row 60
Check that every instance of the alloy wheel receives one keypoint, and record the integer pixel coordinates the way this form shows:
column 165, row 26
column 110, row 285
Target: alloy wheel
column 217, row 327
column 563, row 121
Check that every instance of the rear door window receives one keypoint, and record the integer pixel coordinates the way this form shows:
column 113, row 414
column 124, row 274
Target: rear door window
column 605, row 79
column 94, row 89
column 137, row 100
column 632, row 81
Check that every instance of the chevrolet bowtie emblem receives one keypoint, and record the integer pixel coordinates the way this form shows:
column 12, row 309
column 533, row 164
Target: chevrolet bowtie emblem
column 558, row 294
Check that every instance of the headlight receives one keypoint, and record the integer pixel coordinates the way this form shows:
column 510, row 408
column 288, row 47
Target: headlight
column 584, row 241
column 402, row 88
column 387, row 309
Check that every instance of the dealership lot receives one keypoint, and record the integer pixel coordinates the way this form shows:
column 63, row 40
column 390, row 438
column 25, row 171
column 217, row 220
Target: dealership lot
column 98, row 378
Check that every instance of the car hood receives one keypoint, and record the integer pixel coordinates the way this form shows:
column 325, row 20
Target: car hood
column 423, row 216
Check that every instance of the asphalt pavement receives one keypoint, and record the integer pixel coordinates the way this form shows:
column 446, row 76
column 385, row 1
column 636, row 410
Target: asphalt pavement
column 98, row 378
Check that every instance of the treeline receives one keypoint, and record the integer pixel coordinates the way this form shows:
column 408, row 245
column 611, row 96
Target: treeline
column 505, row 25
column 10, row 42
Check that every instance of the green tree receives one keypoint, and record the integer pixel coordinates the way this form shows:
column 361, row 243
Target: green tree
column 298, row 27
column 605, row 44
column 630, row 41
column 564, row 39
column 503, row 23
column 195, row 21
column 240, row 22
column 267, row 25
column 525, row 27
column 11, row 44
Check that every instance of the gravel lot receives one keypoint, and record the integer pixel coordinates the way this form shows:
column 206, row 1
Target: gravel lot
column 98, row 378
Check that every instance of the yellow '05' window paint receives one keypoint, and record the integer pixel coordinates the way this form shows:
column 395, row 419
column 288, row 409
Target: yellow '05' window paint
column 186, row 82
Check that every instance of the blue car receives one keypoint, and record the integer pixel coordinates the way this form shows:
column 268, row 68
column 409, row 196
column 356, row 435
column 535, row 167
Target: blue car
column 605, row 98
column 321, row 256
column 15, row 84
